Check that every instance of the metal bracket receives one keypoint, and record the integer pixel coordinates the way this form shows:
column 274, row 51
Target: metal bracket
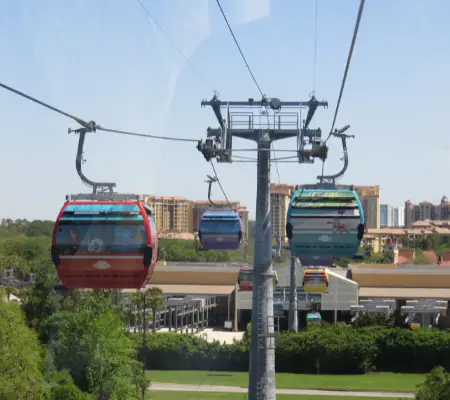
column 318, row 150
column 313, row 103
column 208, row 148
column 210, row 181
column 339, row 134
column 97, row 187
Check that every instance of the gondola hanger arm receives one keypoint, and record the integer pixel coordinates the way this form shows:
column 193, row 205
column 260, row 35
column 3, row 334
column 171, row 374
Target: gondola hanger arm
column 210, row 181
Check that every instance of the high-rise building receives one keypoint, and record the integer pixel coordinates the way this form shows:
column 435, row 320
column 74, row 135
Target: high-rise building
column 391, row 217
column 399, row 217
column 426, row 210
column 172, row 214
column 386, row 214
column 180, row 218
column 280, row 196
column 370, row 200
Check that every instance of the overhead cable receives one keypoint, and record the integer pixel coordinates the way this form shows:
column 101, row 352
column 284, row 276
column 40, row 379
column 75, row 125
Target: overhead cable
column 57, row 110
column 175, row 45
column 251, row 74
column 91, row 124
column 194, row 68
column 347, row 67
column 239, row 47
column 315, row 45
column 144, row 135
column 220, row 184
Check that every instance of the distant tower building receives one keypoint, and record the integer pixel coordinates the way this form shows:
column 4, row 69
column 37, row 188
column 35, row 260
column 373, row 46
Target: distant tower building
column 172, row 213
column 444, row 209
column 280, row 196
column 386, row 216
column 370, row 200
column 412, row 214
column 426, row 210
column 399, row 217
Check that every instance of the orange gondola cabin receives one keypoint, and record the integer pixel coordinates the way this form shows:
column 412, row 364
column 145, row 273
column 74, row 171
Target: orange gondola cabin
column 105, row 244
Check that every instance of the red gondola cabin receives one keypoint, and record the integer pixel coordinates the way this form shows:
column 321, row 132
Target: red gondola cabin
column 105, row 244
column 245, row 278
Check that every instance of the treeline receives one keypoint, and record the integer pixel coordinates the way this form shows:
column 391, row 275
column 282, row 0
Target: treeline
column 32, row 240
column 70, row 345
column 333, row 349
column 10, row 227
column 68, row 351
column 437, row 243
column 188, row 251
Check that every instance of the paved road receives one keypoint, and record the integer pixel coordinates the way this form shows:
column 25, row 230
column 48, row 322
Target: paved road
column 172, row 387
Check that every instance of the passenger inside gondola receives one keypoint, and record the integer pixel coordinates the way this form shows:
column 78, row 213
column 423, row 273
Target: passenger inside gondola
column 101, row 238
column 127, row 239
column 141, row 239
column 220, row 227
column 96, row 245
column 68, row 239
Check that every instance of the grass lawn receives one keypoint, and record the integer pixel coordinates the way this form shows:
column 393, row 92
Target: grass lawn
column 156, row 395
column 383, row 381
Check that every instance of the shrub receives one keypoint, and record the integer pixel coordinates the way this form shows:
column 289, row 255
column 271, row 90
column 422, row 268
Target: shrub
column 436, row 385
column 332, row 349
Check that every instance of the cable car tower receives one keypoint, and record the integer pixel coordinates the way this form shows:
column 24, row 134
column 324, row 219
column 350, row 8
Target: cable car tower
column 248, row 123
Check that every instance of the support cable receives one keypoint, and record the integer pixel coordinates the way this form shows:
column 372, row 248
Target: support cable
column 315, row 45
column 251, row 74
column 33, row 99
column 92, row 125
column 201, row 76
column 220, row 184
column 347, row 67
column 239, row 47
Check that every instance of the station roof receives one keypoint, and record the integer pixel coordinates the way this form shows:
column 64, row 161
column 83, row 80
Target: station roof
column 404, row 293
column 199, row 267
column 187, row 290
column 402, row 276
column 400, row 269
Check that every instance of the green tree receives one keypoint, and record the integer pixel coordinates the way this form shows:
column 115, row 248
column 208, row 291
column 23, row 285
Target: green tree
column 62, row 387
column 41, row 300
column 17, row 264
column 155, row 301
column 187, row 250
column 20, row 361
column 343, row 262
column 425, row 243
column 404, row 241
column 136, row 308
column 27, row 248
column 385, row 257
column 93, row 345
column 436, row 386
column 40, row 228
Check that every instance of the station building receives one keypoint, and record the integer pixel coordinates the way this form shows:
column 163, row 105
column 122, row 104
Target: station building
column 347, row 287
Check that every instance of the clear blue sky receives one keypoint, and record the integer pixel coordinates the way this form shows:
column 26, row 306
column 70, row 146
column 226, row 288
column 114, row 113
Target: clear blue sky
column 105, row 60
